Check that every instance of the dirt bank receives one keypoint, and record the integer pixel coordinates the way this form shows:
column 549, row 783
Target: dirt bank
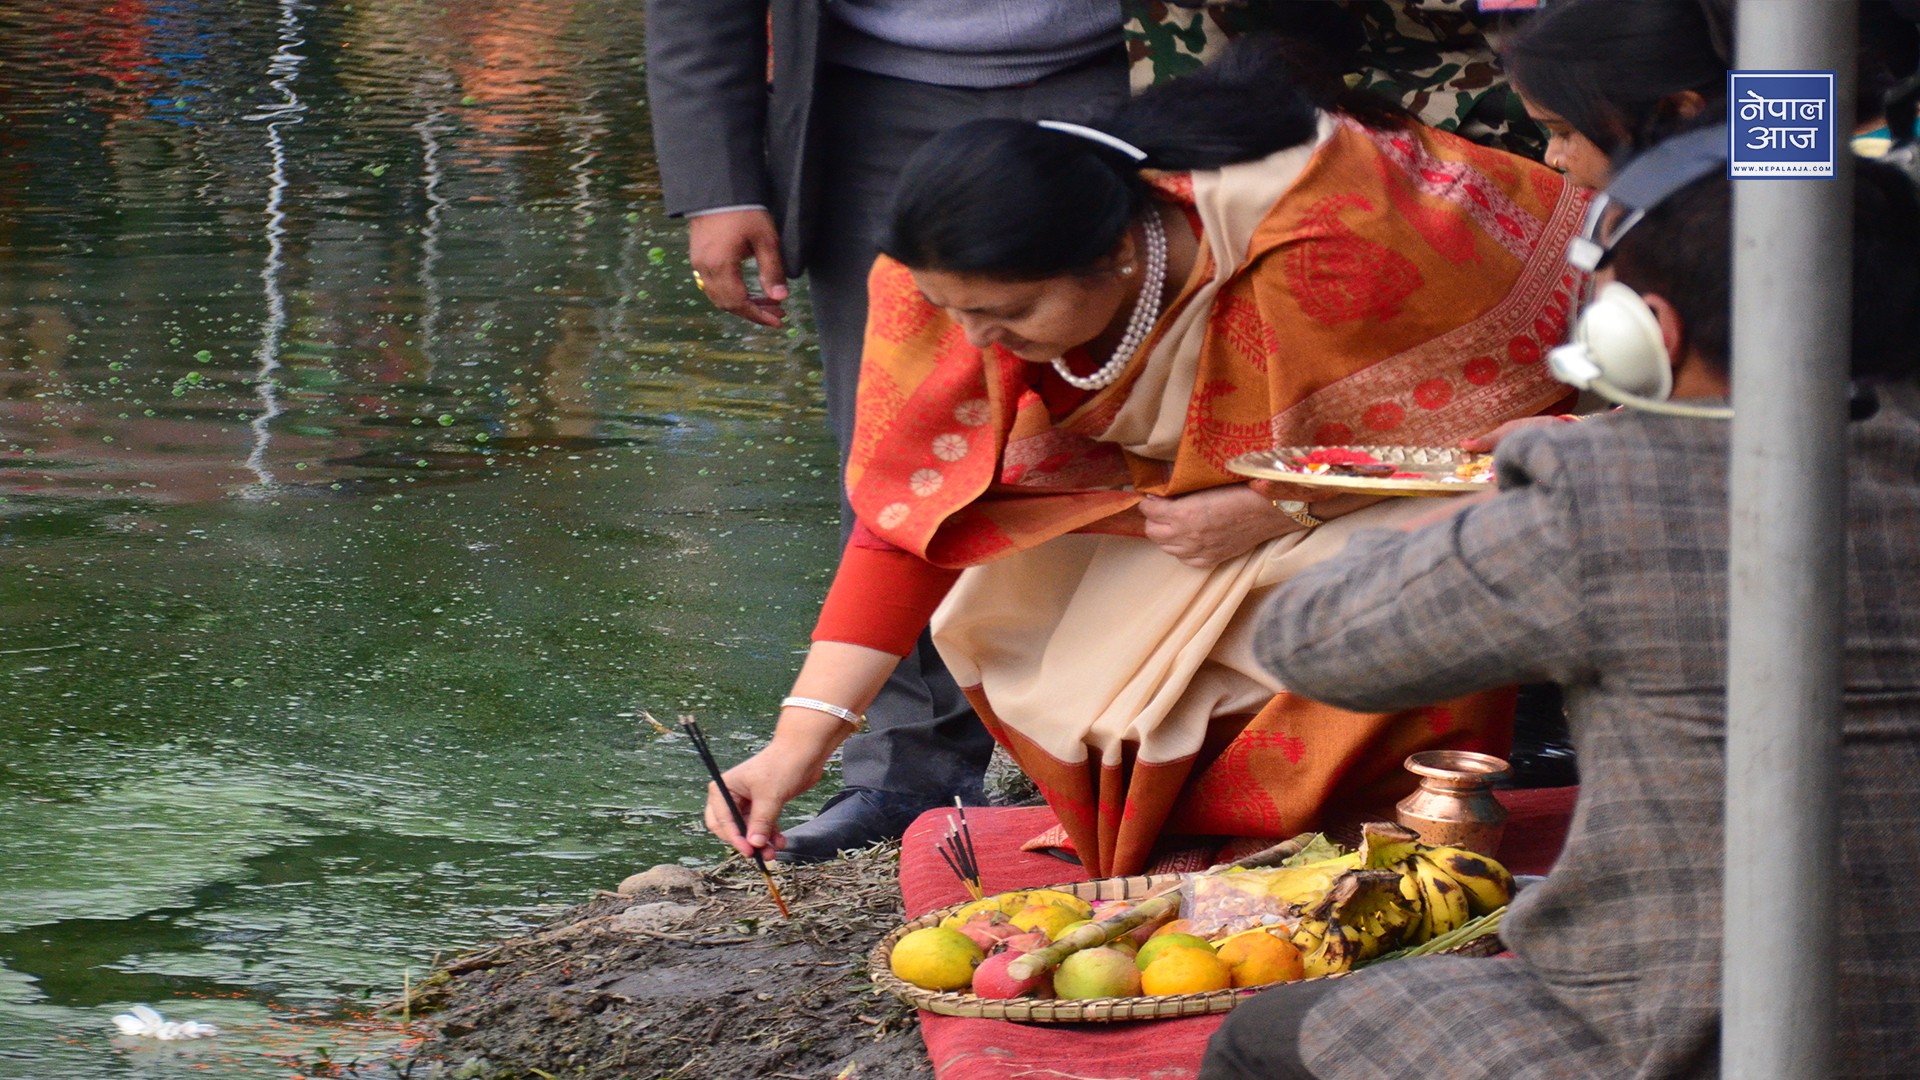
column 695, row 977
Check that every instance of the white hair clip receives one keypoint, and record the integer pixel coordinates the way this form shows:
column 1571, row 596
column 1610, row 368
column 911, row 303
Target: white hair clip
column 1101, row 137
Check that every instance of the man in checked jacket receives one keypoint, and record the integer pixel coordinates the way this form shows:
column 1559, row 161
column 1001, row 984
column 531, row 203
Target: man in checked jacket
column 1602, row 566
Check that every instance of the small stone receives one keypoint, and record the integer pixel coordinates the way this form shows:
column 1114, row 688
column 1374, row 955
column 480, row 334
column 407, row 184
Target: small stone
column 654, row 916
column 665, row 878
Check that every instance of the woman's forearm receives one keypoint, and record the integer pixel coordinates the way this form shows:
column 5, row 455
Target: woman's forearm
column 837, row 673
column 1341, row 505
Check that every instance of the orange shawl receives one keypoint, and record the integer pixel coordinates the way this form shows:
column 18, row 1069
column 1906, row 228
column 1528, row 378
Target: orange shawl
column 1403, row 291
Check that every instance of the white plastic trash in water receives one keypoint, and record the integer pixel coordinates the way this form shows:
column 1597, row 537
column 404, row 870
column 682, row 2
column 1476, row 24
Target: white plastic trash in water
column 146, row 1021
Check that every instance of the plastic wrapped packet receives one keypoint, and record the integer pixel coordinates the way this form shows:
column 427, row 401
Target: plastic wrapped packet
column 1218, row 905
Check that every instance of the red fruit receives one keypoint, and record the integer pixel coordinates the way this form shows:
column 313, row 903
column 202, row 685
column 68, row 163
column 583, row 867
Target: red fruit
column 988, row 931
column 990, row 979
column 1028, row 942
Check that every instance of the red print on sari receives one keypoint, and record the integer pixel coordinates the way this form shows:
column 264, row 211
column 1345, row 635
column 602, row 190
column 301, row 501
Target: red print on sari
column 1238, row 320
column 1339, row 275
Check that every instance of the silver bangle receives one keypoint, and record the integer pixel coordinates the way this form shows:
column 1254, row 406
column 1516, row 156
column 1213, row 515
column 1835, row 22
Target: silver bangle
column 858, row 721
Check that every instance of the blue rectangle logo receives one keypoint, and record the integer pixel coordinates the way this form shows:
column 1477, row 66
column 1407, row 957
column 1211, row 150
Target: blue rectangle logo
column 1780, row 124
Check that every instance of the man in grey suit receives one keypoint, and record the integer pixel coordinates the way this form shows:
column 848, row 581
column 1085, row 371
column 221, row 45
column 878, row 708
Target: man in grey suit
column 1602, row 566
column 795, row 172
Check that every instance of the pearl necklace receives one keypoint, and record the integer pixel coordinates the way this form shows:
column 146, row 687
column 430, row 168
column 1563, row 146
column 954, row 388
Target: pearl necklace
column 1146, row 311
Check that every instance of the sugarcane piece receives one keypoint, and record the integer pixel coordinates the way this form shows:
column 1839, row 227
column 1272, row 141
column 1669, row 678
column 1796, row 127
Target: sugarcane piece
column 1095, row 934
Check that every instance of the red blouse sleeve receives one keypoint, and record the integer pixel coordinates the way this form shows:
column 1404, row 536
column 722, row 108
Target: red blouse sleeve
column 882, row 596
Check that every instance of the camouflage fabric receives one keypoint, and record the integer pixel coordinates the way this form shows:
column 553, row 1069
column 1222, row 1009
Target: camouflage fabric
column 1169, row 39
column 1432, row 56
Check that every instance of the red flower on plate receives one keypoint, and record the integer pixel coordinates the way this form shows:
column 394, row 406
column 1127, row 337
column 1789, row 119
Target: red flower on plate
column 1336, row 455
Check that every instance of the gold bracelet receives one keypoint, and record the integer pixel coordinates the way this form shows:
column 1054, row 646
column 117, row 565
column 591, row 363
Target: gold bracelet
column 858, row 721
column 1298, row 511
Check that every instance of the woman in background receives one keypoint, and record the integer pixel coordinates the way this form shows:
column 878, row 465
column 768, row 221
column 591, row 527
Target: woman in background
column 1608, row 78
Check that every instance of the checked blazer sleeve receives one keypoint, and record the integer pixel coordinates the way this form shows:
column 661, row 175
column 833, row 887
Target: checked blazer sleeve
column 707, row 89
column 1486, row 598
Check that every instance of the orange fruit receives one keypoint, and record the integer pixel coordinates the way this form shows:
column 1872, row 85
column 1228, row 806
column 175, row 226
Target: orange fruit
column 1160, row 943
column 1176, row 926
column 1256, row 958
column 1185, row 971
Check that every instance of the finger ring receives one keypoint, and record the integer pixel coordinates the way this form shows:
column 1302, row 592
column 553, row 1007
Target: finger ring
column 699, row 282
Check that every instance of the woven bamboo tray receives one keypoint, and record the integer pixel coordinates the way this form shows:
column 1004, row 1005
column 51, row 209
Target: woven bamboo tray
column 1089, row 1010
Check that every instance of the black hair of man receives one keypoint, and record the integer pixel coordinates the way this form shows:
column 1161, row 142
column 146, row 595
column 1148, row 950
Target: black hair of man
column 1682, row 251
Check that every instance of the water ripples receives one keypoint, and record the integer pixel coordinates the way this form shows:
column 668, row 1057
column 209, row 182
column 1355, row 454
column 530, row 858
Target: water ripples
column 367, row 459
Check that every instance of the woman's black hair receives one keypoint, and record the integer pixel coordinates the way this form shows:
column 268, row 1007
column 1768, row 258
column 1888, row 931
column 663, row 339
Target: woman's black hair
column 1012, row 200
column 1682, row 250
column 1609, row 67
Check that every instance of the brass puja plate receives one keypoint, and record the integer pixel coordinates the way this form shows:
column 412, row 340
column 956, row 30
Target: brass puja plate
column 1391, row 470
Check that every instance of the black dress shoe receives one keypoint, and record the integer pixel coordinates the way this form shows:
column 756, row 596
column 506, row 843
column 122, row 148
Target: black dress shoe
column 853, row 819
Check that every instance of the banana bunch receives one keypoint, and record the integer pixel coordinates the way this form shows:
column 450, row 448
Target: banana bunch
column 1397, row 892
column 1364, row 915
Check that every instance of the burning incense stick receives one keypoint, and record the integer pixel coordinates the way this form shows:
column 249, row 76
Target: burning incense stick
column 699, row 739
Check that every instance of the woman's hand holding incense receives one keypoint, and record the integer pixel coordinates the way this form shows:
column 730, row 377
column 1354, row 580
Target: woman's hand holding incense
column 803, row 740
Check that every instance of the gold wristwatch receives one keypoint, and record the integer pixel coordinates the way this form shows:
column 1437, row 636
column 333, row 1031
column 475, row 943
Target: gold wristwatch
column 1299, row 512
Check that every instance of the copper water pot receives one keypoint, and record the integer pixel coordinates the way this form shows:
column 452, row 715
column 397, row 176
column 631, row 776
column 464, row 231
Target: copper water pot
column 1454, row 804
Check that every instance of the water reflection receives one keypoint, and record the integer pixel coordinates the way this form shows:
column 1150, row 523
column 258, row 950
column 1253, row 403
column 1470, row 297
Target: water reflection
column 367, row 461
column 283, row 69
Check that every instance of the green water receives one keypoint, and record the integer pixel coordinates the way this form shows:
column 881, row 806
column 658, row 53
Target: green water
column 367, row 463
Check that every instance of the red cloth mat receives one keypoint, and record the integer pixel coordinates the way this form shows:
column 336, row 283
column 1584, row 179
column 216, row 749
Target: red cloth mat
column 966, row 1049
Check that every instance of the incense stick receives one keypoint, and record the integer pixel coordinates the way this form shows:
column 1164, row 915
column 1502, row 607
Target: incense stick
column 966, row 835
column 699, row 740
column 951, row 865
column 960, row 859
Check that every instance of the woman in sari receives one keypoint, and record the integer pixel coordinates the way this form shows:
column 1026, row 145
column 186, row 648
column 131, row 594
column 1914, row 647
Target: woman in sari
column 1072, row 330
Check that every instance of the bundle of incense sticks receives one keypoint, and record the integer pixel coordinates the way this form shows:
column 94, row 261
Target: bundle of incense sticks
column 699, row 740
column 958, row 853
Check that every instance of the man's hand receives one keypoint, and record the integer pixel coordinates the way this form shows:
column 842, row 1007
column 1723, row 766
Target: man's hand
column 717, row 244
column 1206, row 528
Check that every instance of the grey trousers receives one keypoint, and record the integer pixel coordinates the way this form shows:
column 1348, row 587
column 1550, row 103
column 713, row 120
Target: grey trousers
column 1260, row 1040
column 924, row 737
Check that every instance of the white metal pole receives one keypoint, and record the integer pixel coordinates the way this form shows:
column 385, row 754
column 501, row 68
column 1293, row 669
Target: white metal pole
column 1792, row 294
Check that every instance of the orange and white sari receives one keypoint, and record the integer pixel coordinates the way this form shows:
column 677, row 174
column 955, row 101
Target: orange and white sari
column 1377, row 286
